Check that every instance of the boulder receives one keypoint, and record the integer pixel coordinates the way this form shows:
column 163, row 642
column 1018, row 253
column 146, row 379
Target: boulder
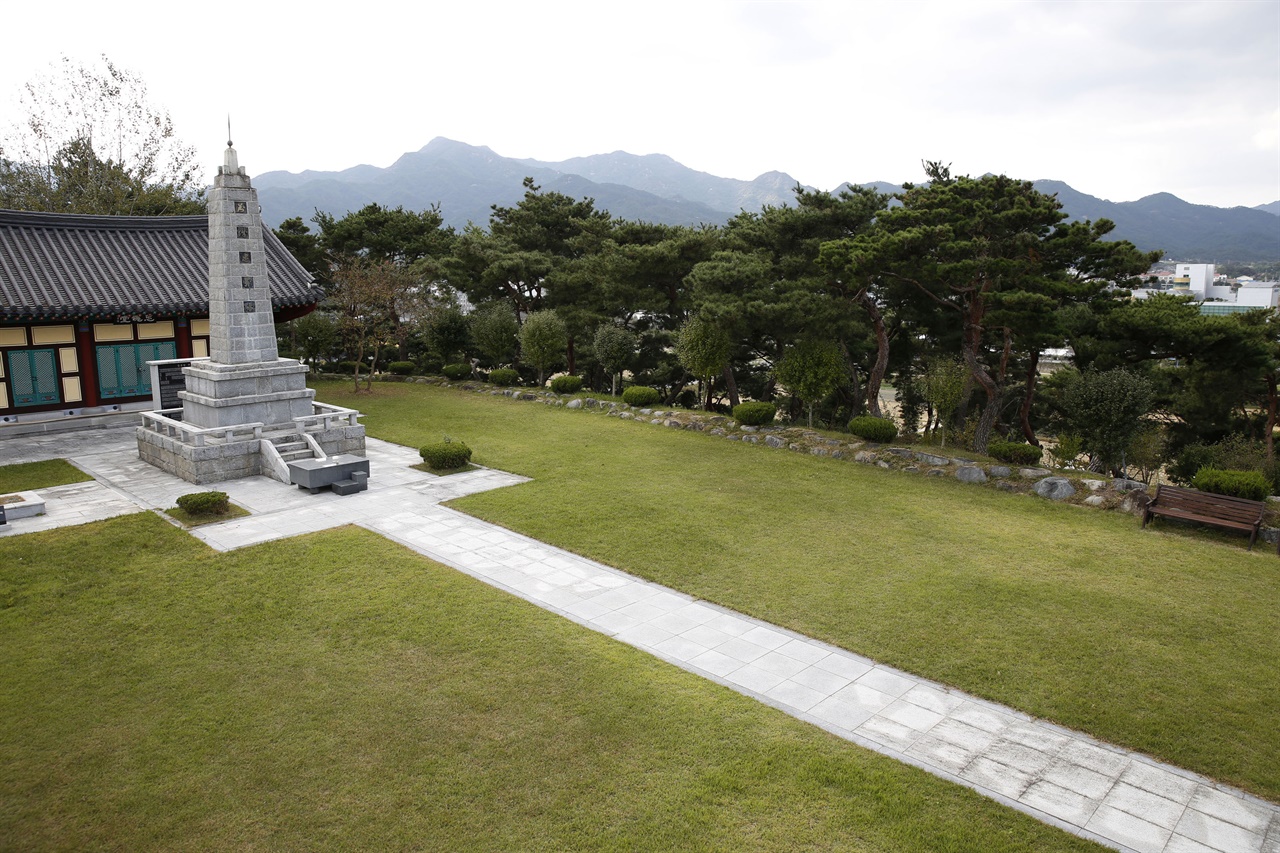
column 574, row 404
column 1032, row 473
column 717, row 431
column 1094, row 485
column 864, row 456
column 1121, row 485
column 883, row 465
column 1095, row 500
column 901, row 451
column 1054, row 488
column 935, row 472
column 970, row 474
column 820, row 451
column 1000, row 471
column 774, row 441
column 930, row 459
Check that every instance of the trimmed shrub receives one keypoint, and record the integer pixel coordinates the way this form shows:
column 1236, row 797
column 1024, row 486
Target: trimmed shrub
column 1015, row 452
column 1250, row 485
column 204, row 503
column 566, row 384
column 349, row 367
column 755, row 414
column 446, row 455
column 641, row 395
column 504, row 376
column 456, row 371
column 401, row 368
column 879, row 430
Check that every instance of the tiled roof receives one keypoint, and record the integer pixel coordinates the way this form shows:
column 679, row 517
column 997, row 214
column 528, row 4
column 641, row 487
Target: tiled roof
column 60, row 266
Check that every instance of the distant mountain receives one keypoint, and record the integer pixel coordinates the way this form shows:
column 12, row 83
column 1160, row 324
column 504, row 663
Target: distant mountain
column 1184, row 231
column 465, row 180
column 664, row 177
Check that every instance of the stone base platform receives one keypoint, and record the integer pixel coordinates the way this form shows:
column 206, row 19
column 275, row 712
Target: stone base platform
column 236, row 455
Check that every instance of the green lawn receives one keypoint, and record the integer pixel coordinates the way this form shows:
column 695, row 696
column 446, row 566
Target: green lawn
column 338, row 692
column 1164, row 640
column 26, row 476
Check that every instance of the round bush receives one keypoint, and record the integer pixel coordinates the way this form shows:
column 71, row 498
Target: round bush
column 456, row 371
column 879, row 430
column 348, row 367
column 446, row 455
column 755, row 414
column 204, row 503
column 400, row 368
column 504, row 376
column 641, row 395
column 1250, row 485
column 566, row 384
column 1015, row 452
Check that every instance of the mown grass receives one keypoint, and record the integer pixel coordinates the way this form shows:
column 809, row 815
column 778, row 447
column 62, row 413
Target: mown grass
column 26, row 476
column 338, row 692
column 1164, row 641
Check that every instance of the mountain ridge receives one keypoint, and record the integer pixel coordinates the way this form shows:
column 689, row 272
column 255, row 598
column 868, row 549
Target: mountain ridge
column 466, row 181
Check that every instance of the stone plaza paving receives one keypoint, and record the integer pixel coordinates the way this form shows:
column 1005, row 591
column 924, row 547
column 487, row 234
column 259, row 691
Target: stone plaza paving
column 1124, row 800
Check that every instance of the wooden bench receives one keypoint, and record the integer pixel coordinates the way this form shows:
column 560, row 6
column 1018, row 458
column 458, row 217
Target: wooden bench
column 1206, row 507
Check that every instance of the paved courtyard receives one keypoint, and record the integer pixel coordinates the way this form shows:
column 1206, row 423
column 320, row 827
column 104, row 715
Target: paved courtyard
column 1124, row 800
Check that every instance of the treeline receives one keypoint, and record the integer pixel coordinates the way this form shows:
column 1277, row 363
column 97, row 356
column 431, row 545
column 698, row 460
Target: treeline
column 950, row 293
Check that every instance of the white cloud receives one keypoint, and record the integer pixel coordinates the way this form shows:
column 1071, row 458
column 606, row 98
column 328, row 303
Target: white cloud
column 1120, row 99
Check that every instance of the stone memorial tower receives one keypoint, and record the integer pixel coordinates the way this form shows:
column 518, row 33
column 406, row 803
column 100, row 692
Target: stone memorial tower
column 245, row 380
column 245, row 410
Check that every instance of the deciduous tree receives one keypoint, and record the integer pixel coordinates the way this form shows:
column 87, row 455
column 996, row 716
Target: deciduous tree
column 543, row 339
column 90, row 142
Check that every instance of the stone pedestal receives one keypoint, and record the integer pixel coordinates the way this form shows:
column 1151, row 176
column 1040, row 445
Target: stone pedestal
column 221, row 395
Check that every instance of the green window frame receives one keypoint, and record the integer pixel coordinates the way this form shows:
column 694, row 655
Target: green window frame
column 33, row 377
column 123, row 371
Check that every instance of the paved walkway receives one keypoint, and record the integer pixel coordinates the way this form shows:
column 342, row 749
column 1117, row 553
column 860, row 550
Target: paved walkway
column 1065, row 778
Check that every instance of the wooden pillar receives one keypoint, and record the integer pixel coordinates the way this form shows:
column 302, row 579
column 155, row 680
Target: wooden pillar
column 182, row 336
column 88, row 363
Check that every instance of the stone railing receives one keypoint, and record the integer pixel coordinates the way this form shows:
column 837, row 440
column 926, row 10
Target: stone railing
column 161, row 423
column 323, row 417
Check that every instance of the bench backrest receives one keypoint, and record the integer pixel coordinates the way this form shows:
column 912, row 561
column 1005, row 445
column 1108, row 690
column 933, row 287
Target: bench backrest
column 1210, row 504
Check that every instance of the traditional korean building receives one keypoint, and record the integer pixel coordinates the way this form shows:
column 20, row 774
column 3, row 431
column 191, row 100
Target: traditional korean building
column 87, row 301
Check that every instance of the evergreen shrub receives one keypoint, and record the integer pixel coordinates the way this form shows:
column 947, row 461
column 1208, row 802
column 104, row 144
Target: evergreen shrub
column 205, row 503
column 1015, row 452
column 755, row 413
column 1250, row 485
column 456, row 371
column 446, row 455
column 566, row 384
column 641, row 395
column 401, row 368
column 504, row 376
column 879, row 430
column 348, row 367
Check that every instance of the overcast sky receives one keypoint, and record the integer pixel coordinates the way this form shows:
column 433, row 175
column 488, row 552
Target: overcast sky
column 1118, row 99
